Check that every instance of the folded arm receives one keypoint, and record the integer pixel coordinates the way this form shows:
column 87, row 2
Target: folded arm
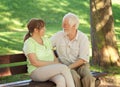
column 37, row 63
column 77, row 64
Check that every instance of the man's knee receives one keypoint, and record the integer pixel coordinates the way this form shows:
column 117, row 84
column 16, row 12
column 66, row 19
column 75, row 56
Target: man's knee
column 88, row 81
column 84, row 70
column 76, row 78
column 75, row 74
column 89, row 77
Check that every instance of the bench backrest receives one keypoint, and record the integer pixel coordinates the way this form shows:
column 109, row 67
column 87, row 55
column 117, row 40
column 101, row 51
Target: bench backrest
column 12, row 64
column 16, row 64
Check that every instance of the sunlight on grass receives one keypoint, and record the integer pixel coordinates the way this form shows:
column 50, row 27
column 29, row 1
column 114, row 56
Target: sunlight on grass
column 116, row 1
column 12, row 51
column 110, row 70
column 96, row 68
column 5, row 19
column 82, row 21
column 14, row 18
column 86, row 4
column 117, row 20
column 8, row 51
column 64, row 3
column 16, row 22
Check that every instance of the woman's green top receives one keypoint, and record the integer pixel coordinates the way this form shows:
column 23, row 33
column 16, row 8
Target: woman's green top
column 43, row 52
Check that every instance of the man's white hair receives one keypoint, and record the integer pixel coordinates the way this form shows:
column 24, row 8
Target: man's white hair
column 73, row 19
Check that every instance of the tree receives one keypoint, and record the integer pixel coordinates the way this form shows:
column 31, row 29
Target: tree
column 104, row 47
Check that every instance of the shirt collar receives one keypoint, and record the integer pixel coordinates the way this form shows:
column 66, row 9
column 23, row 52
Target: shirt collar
column 65, row 35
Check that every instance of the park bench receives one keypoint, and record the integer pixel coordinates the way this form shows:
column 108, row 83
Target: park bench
column 22, row 68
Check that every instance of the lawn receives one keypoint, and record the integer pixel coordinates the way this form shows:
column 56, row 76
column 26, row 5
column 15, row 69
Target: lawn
column 15, row 14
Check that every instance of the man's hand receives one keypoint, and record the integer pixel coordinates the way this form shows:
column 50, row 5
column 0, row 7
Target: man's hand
column 77, row 64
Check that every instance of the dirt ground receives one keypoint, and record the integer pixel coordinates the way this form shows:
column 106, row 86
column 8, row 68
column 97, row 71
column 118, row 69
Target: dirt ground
column 110, row 81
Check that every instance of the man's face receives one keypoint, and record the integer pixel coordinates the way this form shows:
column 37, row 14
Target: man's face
column 66, row 26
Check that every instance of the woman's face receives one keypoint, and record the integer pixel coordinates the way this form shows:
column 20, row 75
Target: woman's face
column 39, row 32
column 42, row 31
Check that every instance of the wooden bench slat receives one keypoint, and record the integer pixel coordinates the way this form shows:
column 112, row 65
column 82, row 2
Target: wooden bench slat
column 13, row 70
column 7, row 69
column 6, row 59
column 18, row 69
column 41, row 84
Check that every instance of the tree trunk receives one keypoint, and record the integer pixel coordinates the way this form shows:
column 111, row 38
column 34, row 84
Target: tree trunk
column 104, row 47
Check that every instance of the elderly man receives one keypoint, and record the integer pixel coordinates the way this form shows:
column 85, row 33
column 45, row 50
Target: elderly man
column 72, row 47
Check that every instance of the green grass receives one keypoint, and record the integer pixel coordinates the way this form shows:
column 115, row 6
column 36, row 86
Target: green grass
column 109, row 70
column 14, row 78
column 15, row 14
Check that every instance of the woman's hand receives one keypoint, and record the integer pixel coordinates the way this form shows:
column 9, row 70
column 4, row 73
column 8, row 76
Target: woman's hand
column 56, row 60
column 38, row 63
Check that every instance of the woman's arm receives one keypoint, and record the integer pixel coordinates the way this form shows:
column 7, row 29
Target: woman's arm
column 37, row 63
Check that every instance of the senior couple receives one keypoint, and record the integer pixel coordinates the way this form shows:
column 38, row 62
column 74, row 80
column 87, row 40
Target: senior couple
column 71, row 67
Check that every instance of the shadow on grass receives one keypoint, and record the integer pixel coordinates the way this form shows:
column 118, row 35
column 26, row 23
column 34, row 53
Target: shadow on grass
column 11, row 42
column 17, row 13
column 116, row 16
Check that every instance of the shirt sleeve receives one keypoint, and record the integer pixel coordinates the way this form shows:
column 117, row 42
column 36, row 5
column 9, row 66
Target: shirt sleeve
column 28, row 47
column 84, row 49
